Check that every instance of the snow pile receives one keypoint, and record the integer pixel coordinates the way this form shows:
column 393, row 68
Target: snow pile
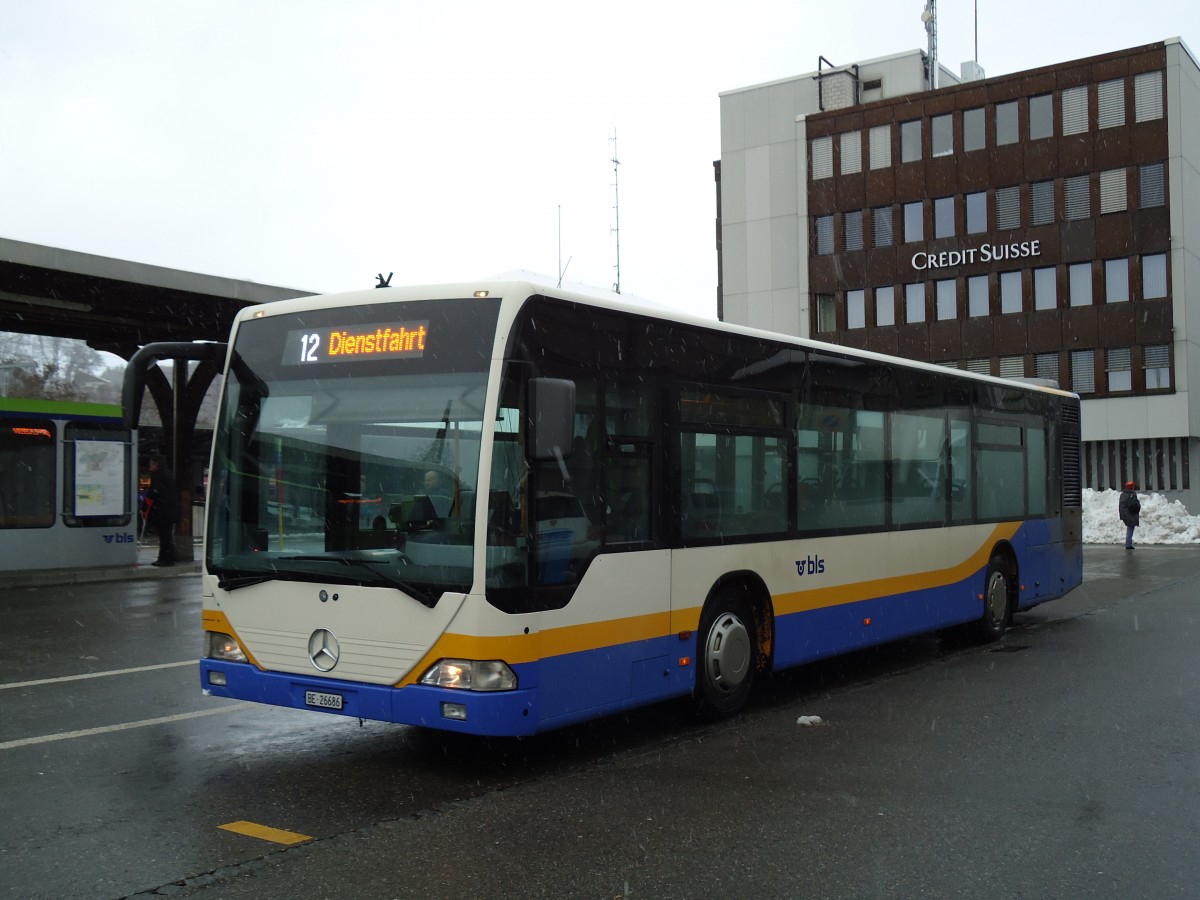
column 1163, row 521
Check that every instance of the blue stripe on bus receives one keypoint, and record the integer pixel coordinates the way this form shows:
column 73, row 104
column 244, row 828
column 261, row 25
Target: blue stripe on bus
column 578, row 686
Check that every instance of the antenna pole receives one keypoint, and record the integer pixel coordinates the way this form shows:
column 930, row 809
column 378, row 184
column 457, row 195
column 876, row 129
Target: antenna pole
column 617, row 208
column 929, row 17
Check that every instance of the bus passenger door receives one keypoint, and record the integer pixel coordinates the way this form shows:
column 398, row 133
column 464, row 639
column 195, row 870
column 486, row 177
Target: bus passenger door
column 619, row 612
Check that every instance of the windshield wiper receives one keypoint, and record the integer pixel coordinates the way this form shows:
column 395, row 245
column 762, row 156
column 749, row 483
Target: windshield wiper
column 422, row 596
column 231, row 579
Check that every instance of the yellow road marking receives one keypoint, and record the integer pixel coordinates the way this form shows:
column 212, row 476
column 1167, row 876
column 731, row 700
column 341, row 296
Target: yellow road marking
column 266, row 833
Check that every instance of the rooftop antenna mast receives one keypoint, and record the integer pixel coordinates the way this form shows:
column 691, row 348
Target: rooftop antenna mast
column 617, row 207
column 929, row 17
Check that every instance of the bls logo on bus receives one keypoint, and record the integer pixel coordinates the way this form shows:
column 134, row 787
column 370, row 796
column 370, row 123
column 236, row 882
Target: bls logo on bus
column 118, row 538
column 812, row 565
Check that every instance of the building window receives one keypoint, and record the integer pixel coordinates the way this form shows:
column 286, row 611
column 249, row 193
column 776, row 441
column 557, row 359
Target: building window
column 1080, row 276
column 881, row 226
column 826, row 312
column 1008, row 207
column 1112, row 191
column 942, row 134
column 1110, row 103
column 977, row 296
column 1154, row 276
column 823, row 233
column 1010, row 293
column 1041, row 117
column 1045, row 288
column 1083, row 371
column 851, row 152
column 1045, row 365
column 1041, row 203
column 1012, row 367
column 1156, row 360
column 974, row 137
column 1147, row 96
column 1120, row 372
column 980, row 365
column 914, row 223
column 1075, row 110
column 1116, row 280
column 943, row 217
column 885, row 306
column 1077, row 198
column 881, row 147
column 1006, row 123
column 852, row 229
column 856, row 309
column 977, row 212
column 947, row 300
column 914, row 303
column 822, row 158
column 1152, row 189
column 910, row 141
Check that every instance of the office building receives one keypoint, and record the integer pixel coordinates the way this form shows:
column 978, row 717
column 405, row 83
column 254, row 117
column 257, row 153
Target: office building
column 1044, row 224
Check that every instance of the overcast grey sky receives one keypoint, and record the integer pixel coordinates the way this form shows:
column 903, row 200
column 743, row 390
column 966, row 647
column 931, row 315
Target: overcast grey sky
column 313, row 144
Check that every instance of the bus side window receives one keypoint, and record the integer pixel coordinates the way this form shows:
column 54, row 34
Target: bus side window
column 626, row 436
column 701, row 502
column 629, row 491
column 961, row 476
column 919, row 468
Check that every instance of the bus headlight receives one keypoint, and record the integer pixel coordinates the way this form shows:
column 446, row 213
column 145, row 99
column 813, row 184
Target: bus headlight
column 471, row 675
column 222, row 646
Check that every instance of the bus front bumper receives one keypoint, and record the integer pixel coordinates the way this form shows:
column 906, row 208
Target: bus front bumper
column 501, row 713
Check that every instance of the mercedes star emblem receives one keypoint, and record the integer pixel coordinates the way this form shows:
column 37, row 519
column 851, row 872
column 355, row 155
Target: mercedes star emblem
column 323, row 650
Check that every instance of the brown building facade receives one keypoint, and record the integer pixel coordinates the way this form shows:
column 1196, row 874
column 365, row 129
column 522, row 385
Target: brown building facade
column 1033, row 226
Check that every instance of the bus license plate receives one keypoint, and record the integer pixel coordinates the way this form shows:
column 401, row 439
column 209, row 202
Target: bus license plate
column 323, row 701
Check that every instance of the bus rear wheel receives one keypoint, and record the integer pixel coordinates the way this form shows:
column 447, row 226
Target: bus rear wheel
column 997, row 601
column 727, row 655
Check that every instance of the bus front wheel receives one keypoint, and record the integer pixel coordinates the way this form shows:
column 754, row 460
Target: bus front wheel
column 727, row 655
column 997, row 601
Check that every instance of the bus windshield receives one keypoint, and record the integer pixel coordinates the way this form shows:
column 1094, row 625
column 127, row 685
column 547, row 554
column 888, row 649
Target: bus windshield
column 353, row 470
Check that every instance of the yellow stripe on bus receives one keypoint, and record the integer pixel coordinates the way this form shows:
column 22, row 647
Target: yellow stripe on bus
column 821, row 598
column 515, row 649
column 524, row 648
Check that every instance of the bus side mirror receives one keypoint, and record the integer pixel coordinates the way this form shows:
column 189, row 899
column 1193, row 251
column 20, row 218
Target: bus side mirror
column 551, row 423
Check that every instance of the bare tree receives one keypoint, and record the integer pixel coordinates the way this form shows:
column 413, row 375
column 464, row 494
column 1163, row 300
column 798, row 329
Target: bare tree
column 37, row 366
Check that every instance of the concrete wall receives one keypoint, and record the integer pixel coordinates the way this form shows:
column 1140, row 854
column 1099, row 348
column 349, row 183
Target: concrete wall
column 1183, row 173
column 764, row 177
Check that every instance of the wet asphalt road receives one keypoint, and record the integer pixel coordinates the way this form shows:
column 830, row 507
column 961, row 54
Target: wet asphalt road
column 1063, row 762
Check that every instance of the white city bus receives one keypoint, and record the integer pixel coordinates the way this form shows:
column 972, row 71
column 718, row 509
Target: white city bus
column 501, row 508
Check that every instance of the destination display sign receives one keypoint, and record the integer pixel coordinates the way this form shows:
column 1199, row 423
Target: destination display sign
column 355, row 343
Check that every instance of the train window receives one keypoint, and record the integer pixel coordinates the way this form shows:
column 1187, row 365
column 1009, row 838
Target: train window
column 26, row 472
